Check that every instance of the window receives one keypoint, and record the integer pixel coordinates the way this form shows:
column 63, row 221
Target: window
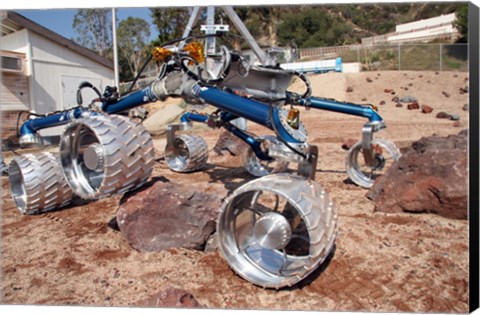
column 11, row 63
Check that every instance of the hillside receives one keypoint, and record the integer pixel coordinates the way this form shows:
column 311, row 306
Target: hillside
column 337, row 24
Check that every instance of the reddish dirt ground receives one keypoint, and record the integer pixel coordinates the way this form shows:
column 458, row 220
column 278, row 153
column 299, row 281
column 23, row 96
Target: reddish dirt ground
column 382, row 262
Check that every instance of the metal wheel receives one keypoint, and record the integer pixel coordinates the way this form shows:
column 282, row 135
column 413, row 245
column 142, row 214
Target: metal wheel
column 37, row 183
column 258, row 167
column 187, row 153
column 363, row 175
column 275, row 230
column 106, row 155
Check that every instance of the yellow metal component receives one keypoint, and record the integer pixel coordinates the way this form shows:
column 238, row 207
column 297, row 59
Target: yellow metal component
column 375, row 108
column 293, row 118
column 195, row 49
column 160, row 53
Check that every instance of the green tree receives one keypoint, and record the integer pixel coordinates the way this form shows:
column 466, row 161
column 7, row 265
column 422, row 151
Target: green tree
column 133, row 35
column 170, row 22
column 313, row 27
column 94, row 29
column 461, row 22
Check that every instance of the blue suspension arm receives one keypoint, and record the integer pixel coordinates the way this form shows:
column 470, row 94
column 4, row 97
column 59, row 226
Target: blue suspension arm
column 341, row 107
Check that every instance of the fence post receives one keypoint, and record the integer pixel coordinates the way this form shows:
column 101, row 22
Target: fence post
column 399, row 54
column 441, row 52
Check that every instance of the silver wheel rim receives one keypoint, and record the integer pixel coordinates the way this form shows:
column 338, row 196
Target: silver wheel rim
column 364, row 175
column 187, row 153
column 271, row 235
column 259, row 168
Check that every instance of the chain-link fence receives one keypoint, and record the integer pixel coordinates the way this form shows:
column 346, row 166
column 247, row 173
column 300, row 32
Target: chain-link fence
column 433, row 57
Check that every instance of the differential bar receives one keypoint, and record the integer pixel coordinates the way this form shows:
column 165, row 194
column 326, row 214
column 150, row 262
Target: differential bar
column 340, row 107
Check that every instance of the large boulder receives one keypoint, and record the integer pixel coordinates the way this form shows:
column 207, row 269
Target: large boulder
column 166, row 215
column 430, row 177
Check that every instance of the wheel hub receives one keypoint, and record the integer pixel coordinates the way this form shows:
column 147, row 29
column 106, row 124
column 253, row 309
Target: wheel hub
column 272, row 231
column 93, row 157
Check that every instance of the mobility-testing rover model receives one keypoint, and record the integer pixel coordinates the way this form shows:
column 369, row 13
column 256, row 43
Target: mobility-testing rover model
column 274, row 230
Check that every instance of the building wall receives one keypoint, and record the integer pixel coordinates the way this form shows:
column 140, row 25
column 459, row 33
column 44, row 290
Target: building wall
column 52, row 64
column 53, row 73
column 435, row 21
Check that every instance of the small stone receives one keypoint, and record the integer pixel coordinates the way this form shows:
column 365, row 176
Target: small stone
column 382, row 102
column 406, row 89
column 410, row 84
column 455, row 75
column 429, row 81
column 413, row 106
column 443, row 115
column 388, row 90
column 456, row 124
column 393, row 92
column 364, row 99
column 349, row 89
column 408, row 99
column 426, row 109
column 399, row 105
column 369, row 80
column 348, row 143
column 454, row 117
column 465, row 107
column 436, row 72
column 420, row 76
column 446, row 94
column 396, row 99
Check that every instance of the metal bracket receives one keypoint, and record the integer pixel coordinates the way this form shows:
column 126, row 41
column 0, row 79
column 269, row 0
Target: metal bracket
column 309, row 167
column 367, row 137
column 172, row 129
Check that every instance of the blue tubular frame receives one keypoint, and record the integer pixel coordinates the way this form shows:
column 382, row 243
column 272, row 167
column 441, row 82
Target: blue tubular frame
column 226, row 117
column 238, row 106
column 130, row 101
column 340, row 107
column 31, row 126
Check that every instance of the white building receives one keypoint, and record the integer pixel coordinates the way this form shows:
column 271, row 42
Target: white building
column 419, row 31
column 41, row 70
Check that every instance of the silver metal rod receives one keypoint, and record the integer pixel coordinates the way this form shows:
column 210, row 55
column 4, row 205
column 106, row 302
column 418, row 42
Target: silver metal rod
column 262, row 57
column 191, row 22
column 115, row 50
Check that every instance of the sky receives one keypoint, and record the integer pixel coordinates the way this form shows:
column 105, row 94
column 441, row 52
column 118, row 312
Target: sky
column 60, row 20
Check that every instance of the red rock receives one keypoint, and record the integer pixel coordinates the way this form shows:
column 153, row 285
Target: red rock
column 430, row 177
column 426, row 109
column 164, row 215
column 443, row 115
column 456, row 124
column 382, row 102
column 399, row 105
column 348, row 143
column 413, row 106
column 171, row 297
column 228, row 142
column 387, row 91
